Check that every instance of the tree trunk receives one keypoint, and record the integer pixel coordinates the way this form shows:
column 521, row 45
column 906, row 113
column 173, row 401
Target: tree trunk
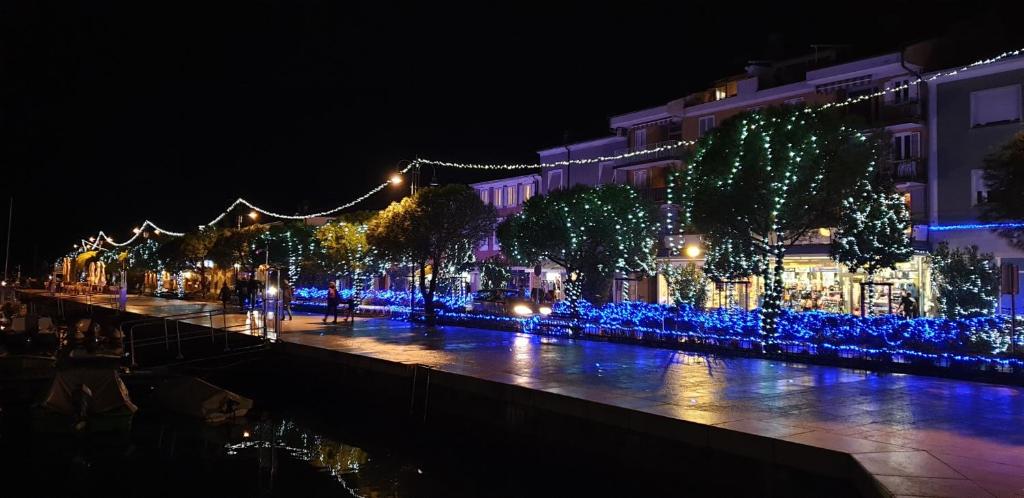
column 428, row 295
column 773, row 293
column 870, row 295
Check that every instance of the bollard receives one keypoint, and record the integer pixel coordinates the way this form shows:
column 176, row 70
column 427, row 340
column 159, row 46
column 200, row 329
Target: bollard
column 167, row 340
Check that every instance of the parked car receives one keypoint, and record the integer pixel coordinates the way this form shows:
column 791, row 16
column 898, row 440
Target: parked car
column 506, row 302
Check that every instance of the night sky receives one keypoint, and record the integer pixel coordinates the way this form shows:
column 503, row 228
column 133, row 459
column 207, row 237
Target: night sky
column 113, row 113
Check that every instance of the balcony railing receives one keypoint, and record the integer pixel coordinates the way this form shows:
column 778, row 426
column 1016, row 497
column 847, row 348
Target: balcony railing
column 656, row 195
column 909, row 170
column 877, row 113
column 669, row 150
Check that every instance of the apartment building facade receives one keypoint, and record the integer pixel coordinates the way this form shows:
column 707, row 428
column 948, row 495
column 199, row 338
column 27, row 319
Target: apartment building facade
column 507, row 195
column 938, row 131
column 973, row 114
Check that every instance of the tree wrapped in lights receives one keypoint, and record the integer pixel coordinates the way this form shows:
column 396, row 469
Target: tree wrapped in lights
column 686, row 284
column 345, row 251
column 591, row 232
column 436, row 228
column 292, row 245
column 965, row 283
column 1004, row 176
column 872, row 233
column 767, row 179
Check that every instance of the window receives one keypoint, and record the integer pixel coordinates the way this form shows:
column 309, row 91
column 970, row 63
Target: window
column 527, row 191
column 510, row 195
column 979, row 189
column 996, row 105
column 496, row 246
column 900, row 91
column 497, row 197
column 906, row 146
column 705, row 124
column 483, row 244
column 639, row 137
column 555, row 180
column 796, row 101
column 640, row 178
column 485, row 196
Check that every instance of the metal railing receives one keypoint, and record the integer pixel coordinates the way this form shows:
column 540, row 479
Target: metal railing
column 177, row 319
column 908, row 169
column 674, row 150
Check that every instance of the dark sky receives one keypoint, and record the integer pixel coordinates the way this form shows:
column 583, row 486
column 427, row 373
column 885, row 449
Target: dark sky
column 113, row 113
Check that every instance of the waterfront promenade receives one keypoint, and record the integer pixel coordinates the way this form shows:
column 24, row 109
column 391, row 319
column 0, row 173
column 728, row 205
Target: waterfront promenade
column 912, row 435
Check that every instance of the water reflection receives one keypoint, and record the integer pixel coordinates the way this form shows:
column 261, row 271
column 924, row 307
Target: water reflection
column 337, row 459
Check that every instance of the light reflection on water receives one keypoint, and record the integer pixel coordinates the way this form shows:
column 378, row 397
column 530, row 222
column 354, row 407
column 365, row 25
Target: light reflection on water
column 337, row 459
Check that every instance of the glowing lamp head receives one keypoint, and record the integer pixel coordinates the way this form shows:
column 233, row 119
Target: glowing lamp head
column 136, row 230
column 692, row 251
column 545, row 310
column 3, row 284
column 272, row 291
column 396, row 179
column 157, row 231
column 824, row 232
column 522, row 310
column 237, row 266
column 253, row 215
column 92, row 239
column 76, row 246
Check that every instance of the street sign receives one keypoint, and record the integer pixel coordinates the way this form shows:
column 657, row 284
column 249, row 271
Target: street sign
column 1009, row 278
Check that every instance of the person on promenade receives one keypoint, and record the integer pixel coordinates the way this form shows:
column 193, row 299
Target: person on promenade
column 225, row 295
column 286, row 299
column 333, row 299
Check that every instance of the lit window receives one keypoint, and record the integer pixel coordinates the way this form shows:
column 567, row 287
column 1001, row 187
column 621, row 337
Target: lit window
column 705, row 124
column 979, row 189
column 996, row 105
column 484, row 196
column 510, row 195
column 497, row 197
column 527, row 191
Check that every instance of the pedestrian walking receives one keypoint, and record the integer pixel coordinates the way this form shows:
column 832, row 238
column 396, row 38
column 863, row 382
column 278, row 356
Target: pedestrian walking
column 333, row 299
column 286, row 299
column 225, row 295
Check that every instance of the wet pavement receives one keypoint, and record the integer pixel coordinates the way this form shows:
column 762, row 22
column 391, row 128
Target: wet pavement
column 918, row 436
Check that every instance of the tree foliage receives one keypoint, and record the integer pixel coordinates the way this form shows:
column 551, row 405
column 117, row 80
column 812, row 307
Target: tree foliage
column 439, row 227
column 591, row 232
column 873, row 231
column 345, row 251
column 686, row 284
column 965, row 283
column 1004, row 175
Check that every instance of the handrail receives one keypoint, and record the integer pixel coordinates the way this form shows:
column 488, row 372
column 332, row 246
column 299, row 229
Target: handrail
column 177, row 318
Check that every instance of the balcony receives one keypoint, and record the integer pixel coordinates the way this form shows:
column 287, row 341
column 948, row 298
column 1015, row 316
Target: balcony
column 909, row 170
column 672, row 150
column 877, row 113
column 654, row 195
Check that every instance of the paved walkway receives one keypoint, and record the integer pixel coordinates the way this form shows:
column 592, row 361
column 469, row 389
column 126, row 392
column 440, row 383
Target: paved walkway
column 919, row 436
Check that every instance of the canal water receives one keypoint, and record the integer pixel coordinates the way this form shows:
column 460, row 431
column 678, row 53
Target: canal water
column 285, row 447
